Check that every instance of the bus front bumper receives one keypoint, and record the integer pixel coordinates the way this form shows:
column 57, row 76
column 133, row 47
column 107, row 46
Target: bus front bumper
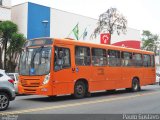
column 41, row 90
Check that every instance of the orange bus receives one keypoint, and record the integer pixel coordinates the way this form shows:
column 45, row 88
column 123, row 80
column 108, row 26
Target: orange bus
column 53, row 67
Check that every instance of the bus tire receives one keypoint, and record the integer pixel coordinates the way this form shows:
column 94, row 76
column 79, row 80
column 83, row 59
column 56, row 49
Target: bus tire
column 80, row 89
column 135, row 85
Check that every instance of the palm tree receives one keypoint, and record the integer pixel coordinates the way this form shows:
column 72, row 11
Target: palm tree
column 15, row 48
column 7, row 28
column 0, row 51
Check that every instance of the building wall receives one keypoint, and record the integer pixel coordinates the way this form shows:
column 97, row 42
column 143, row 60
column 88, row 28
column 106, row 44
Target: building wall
column 30, row 19
column 6, row 3
column 20, row 17
column 61, row 24
column 36, row 15
column 5, row 11
column 130, row 39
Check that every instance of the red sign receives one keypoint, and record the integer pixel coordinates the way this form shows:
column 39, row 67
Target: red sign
column 129, row 44
column 105, row 38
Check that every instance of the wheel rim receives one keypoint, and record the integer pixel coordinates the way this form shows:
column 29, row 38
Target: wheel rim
column 135, row 85
column 3, row 101
column 79, row 89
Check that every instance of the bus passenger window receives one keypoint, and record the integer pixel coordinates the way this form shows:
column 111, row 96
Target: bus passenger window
column 146, row 61
column 152, row 61
column 99, row 57
column 126, row 59
column 114, row 58
column 61, row 58
column 137, row 59
column 82, row 56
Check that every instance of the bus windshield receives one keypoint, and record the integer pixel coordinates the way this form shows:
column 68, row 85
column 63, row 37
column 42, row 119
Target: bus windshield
column 35, row 61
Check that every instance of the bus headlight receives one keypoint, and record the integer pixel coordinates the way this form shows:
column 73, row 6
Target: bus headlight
column 46, row 79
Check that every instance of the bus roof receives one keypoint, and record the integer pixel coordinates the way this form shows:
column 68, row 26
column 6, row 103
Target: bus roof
column 89, row 44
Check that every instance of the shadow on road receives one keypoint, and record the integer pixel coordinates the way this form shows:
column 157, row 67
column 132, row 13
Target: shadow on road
column 93, row 95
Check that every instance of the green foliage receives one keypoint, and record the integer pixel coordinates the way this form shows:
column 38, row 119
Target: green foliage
column 10, row 43
column 0, row 33
column 150, row 41
column 8, row 28
column 16, row 43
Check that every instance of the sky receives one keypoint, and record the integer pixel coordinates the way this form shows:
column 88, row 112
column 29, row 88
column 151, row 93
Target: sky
column 140, row 14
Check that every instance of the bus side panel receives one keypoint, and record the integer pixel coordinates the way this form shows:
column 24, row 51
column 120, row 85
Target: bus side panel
column 129, row 73
column 62, row 85
column 153, row 73
column 148, row 75
column 105, row 78
column 113, row 77
column 127, row 76
column 98, row 78
column 83, row 73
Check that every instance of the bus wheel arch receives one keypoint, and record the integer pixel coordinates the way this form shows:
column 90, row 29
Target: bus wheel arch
column 136, row 84
column 81, row 88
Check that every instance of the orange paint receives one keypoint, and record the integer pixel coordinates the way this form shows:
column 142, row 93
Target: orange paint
column 98, row 77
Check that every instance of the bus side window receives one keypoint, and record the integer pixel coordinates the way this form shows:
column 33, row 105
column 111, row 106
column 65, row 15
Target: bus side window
column 61, row 58
column 126, row 59
column 99, row 57
column 146, row 60
column 137, row 60
column 82, row 56
column 114, row 58
column 152, row 61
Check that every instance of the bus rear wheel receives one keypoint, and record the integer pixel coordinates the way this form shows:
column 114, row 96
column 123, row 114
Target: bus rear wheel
column 135, row 85
column 80, row 89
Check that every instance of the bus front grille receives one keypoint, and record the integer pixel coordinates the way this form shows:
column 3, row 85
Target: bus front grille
column 30, row 83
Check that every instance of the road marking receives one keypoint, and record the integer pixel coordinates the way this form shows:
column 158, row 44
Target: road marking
column 79, row 104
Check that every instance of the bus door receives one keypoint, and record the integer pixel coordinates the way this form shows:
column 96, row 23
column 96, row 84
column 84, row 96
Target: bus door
column 114, row 70
column 149, row 70
column 99, row 63
column 63, row 75
column 128, row 71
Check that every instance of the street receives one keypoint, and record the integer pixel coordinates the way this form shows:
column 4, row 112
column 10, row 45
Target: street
column 119, row 102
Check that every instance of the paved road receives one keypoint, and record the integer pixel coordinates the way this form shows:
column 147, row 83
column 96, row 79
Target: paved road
column 120, row 102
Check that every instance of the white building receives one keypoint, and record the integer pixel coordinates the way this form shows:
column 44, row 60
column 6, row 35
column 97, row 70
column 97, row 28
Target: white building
column 5, row 10
column 36, row 20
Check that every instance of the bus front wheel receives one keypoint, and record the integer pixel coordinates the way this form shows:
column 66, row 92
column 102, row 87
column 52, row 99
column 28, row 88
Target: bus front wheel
column 135, row 85
column 80, row 89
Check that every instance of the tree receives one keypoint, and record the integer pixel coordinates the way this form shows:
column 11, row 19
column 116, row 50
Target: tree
column 150, row 41
column 0, row 50
column 111, row 21
column 15, row 48
column 11, row 43
column 7, row 28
